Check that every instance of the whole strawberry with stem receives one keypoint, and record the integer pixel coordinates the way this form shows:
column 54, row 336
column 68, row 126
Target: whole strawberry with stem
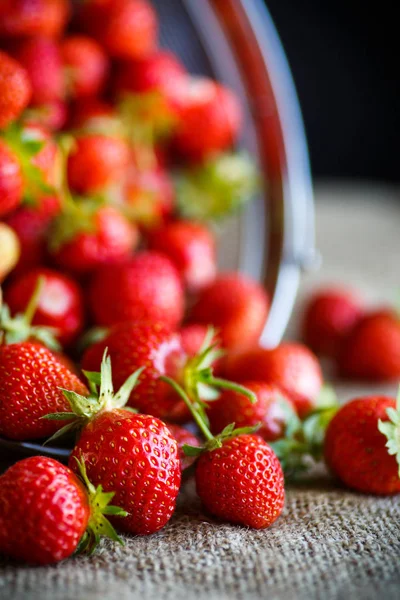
column 30, row 376
column 133, row 455
column 238, row 476
column 47, row 513
column 60, row 305
column 151, row 346
column 146, row 287
column 361, row 445
column 15, row 89
column 85, row 66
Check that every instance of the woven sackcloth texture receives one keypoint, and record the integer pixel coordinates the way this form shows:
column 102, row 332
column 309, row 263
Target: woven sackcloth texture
column 329, row 543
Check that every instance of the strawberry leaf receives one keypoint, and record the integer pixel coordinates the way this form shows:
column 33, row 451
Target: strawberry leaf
column 391, row 430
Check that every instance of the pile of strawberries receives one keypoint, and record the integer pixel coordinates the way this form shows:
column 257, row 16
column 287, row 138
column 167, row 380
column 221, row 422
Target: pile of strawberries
column 114, row 165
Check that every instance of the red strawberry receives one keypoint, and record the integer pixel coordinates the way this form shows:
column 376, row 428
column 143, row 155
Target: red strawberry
column 371, row 351
column 139, row 344
column 272, row 410
column 60, row 305
column 31, row 224
column 51, row 116
column 11, row 180
column 191, row 247
column 160, row 73
column 41, row 58
column 183, row 437
column 330, row 315
column 86, row 236
column 15, row 89
column 20, row 18
column 86, row 66
column 45, row 160
column 290, row 366
column 9, row 251
column 89, row 111
column 355, row 447
column 237, row 306
column 210, row 119
column 193, row 337
column 47, row 514
column 126, row 28
column 241, row 481
column 148, row 196
column 96, row 161
column 146, row 287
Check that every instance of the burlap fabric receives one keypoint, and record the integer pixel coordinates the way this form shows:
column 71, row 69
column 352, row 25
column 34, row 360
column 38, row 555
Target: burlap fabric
column 329, row 543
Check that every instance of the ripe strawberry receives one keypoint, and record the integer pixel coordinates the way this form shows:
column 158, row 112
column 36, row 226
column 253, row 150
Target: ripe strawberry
column 191, row 247
column 237, row 306
column 15, row 89
column 126, row 28
column 272, row 410
column 95, row 162
column 59, row 306
column 41, row 58
column 147, row 287
column 148, row 196
column 133, row 455
column 290, row 366
column 44, row 160
column 159, row 73
column 355, row 448
column 210, row 119
column 11, row 180
column 51, row 116
column 9, row 251
column 139, row 344
column 86, row 236
column 371, row 351
column 86, row 66
column 31, row 224
column 193, row 337
column 329, row 316
column 183, row 437
column 46, row 514
column 20, row 18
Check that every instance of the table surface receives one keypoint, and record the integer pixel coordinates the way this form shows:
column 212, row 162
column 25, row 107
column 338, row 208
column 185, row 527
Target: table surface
column 329, row 543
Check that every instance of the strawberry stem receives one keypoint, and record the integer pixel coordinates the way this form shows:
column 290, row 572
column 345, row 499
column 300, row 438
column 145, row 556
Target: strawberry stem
column 34, row 300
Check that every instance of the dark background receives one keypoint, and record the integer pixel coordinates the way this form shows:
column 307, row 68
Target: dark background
column 345, row 59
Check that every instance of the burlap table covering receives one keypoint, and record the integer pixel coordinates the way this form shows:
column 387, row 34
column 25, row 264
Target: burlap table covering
column 329, row 543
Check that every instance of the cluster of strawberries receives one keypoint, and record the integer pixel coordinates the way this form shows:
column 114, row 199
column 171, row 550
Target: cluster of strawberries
column 92, row 124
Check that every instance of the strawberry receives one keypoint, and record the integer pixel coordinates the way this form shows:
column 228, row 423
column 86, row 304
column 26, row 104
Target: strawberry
column 209, row 121
column 95, row 162
column 160, row 73
column 238, row 476
column 148, row 196
column 41, row 58
column 183, row 437
column 9, row 251
column 126, row 28
column 60, row 304
column 20, row 18
column 31, row 224
column 133, row 455
column 371, row 351
column 45, row 161
column 272, row 410
column 330, row 314
column 11, row 179
column 191, row 247
column 15, row 89
column 291, row 366
column 47, row 514
column 355, row 448
column 89, row 111
column 85, row 236
column 237, row 306
column 193, row 336
column 51, row 116
column 147, row 287
column 86, row 66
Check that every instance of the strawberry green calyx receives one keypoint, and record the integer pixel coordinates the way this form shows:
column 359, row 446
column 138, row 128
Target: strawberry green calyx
column 101, row 398
column 391, row 430
column 302, row 444
column 19, row 328
column 217, row 188
column 99, row 526
column 198, row 412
